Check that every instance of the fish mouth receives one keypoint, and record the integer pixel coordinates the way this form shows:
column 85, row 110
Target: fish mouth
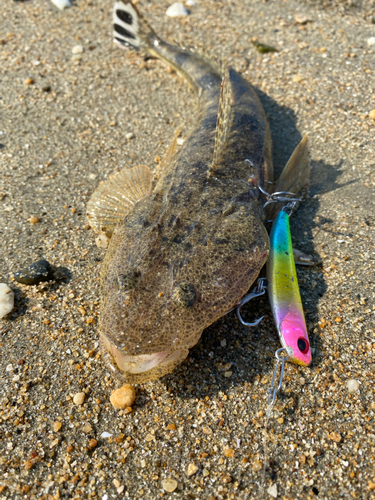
column 140, row 368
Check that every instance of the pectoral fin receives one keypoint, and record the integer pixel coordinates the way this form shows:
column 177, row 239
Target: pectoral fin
column 114, row 197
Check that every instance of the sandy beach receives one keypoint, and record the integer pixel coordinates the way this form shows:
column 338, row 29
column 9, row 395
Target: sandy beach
column 74, row 109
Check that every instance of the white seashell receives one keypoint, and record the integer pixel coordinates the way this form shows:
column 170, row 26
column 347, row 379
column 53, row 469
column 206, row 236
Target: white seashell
column 177, row 9
column 371, row 41
column 190, row 3
column 6, row 299
column 106, row 434
column 61, row 4
column 77, row 49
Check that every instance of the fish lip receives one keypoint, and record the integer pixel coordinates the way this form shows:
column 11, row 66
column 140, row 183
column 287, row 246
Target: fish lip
column 138, row 351
column 140, row 368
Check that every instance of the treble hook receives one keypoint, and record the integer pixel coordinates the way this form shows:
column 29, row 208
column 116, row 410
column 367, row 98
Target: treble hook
column 277, row 197
column 274, row 390
column 257, row 292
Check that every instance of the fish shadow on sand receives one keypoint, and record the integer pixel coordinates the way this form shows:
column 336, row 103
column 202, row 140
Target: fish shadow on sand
column 227, row 346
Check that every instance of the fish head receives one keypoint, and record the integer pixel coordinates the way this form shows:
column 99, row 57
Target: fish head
column 162, row 285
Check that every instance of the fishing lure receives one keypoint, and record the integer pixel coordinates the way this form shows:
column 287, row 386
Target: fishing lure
column 284, row 293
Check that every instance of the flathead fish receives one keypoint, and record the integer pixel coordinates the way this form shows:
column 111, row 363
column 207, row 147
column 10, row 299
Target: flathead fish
column 184, row 251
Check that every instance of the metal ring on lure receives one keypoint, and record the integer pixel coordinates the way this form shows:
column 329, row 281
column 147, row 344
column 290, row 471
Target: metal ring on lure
column 257, row 292
column 277, row 197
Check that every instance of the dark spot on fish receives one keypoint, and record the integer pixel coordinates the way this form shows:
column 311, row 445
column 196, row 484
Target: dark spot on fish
column 286, row 253
column 221, row 241
column 146, row 223
column 184, row 295
column 177, row 239
column 128, row 280
column 122, row 31
column 124, row 16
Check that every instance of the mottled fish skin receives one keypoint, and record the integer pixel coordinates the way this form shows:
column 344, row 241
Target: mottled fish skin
column 193, row 248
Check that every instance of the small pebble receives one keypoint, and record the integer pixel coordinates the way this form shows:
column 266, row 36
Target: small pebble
column 102, row 241
column 228, row 452
column 191, row 470
column 93, row 443
column 61, row 4
column 57, row 426
column 106, row 434
column 116, row 483
column 335, row 436
column 6, row 299
column 34, row 220
column 129, row 136
column 169, row 485
column 35, row 273
column 79, row 398
column 372, row 114
column 177, row 9
column 28, row 81
column 257, row 465
column 297, row 78
column 352, row 385
column 272, row 491
column 301, row 19
column 149, row 437
column 77, row 49
column 190, row 3
column 123, row 397
column 226, row 478
column 371, row 41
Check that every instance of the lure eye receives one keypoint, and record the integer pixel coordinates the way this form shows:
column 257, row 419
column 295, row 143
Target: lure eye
column 303, row 345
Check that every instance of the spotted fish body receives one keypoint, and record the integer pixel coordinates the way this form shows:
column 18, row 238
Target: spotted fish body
column 184, row 255
column 284, row 293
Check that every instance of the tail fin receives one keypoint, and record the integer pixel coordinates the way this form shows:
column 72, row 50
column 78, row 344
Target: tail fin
column 129, row 26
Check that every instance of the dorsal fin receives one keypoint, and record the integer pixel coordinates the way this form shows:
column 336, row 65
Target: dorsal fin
column 224, row 120
column 114, row 197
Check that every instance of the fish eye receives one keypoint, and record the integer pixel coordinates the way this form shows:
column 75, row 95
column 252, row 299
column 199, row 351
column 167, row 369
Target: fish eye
column 184, row 295
column 303, row 345
column 128, row 280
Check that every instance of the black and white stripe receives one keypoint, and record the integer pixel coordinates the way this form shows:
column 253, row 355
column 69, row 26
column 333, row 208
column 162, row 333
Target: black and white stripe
column 126, row 24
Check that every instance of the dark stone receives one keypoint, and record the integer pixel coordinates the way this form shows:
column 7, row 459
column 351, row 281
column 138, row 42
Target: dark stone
column 35, row 273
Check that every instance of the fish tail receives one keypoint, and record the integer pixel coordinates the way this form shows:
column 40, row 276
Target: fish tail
column 130, row 28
